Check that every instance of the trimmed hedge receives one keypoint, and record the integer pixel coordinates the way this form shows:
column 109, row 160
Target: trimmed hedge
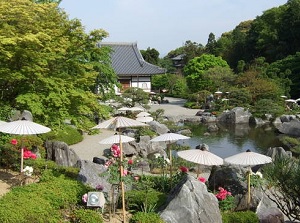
column 240, row 217
column 41, row 202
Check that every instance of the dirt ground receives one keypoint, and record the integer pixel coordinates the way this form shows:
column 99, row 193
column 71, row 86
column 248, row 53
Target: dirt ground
column 8, row 179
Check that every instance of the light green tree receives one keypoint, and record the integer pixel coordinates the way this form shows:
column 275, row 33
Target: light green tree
column 50, row 66
column 195, row 69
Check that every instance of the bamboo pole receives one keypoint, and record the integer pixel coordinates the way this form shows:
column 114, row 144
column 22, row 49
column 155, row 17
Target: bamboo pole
column 249, row 190
column 121, row 176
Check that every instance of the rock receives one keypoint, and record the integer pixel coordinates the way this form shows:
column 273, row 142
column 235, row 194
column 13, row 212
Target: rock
column 61, row 154
column 191, row 202
column 267, row 211
column 290, row 128
column 203, row 147
column 158, row 127
column 278, row 152
column 27, row 115
column 99, row 160
column 212, row 128
column 186, row 132
column 90, row 174
column 237, row 115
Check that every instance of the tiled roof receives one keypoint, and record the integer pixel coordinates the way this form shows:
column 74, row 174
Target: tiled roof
column 127, row 60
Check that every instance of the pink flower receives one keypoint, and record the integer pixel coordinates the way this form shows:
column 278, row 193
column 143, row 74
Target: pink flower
column 136, row 178
column 27, row 154
column 202, row 179
column 130, row 162
column 14, row 142
column 84, row 198
column 184, row 169
column 125, row 172
column 115, row 149
column 222, row 194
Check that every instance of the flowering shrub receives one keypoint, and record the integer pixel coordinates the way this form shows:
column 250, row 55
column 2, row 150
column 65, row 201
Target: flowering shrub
column 115, row 150
column 226, row 200
column 14, row 142
column 184, row 169
column 27, row 154
column 202, row 179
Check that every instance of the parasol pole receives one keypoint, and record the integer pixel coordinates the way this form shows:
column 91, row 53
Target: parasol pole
column 22, row 154
column 170, row 154
column 249, row 190
column 122, row 183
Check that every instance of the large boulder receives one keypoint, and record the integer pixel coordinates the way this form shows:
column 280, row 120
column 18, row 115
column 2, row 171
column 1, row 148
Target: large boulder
column 91, row 174
column 191, row 202
column 158, row 127
column 61, row 154
column 290, row 128
column 237, row 115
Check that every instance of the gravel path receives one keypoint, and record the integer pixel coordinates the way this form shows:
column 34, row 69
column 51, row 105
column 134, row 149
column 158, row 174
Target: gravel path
column 90, row 147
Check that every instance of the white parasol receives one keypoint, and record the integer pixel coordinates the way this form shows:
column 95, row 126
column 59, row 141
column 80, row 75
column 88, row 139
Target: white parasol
column 116, row 139
column 124, row 109
column 134, row 109
column 117, row 123
column 248, row 158
column 143, row 114
column 144, row 119
column 169, row 138
column 23, row 127
column 199, row 156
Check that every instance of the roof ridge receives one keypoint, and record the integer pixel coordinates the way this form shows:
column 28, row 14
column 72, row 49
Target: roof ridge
column 120, row 43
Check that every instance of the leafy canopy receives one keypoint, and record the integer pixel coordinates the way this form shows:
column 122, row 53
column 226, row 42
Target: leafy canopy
column 49, row 65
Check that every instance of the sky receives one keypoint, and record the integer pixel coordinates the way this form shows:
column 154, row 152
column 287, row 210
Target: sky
column 164, row 24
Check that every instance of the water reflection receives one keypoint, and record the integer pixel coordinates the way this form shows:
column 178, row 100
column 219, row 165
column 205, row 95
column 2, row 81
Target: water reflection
column 230, row 140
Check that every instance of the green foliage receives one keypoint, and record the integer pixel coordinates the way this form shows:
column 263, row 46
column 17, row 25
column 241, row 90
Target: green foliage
column 10, row 155
column 146, row 217
column 227, row 204
column 240, row 217
column 195, row 69
column 283, row 175
column 267, row 106
column 150, row 55
column 52, row 68
column 68, row 134
column 87, row 216
column 292, row 143
column 40, row 202
column 141, row 200
column 136, row 96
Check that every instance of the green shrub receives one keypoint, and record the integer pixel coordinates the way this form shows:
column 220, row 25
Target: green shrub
column 239, row 217
column 41, row 202
column 87, row 216
column 144, row 200
column 143, row 217
column 67, row 134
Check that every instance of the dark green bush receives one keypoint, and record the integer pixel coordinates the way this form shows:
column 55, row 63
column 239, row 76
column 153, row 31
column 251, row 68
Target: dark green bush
column 240, row 217
column 87, row 216
column 41, row 202
column 143, row 217
column 67, row 134
column 144, row 200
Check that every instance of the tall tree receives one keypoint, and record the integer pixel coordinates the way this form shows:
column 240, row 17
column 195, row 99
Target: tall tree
column 210, row 47
column 49, row 66
column 150, row 55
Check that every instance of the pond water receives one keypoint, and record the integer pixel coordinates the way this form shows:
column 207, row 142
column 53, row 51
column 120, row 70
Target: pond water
column 230, row 140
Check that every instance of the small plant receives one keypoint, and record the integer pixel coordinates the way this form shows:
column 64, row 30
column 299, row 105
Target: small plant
column 240, row 217
column 144, row 217
column 226, row 200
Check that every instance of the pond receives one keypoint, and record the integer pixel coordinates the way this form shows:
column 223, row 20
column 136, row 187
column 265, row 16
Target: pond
column 230, row 140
